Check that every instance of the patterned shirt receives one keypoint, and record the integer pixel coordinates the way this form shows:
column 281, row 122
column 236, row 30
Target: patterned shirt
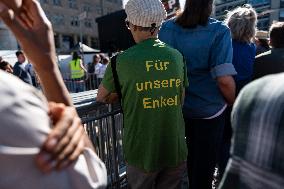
column 257, row 160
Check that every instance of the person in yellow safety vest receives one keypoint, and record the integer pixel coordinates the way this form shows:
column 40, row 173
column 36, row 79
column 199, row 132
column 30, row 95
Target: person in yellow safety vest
column 78, row 71
column 76, row 67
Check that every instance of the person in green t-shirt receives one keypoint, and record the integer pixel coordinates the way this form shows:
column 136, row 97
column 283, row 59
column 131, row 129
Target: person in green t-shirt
column 152, row 78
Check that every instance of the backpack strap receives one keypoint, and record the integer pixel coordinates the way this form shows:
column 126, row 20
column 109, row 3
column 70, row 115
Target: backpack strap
column 115, row 76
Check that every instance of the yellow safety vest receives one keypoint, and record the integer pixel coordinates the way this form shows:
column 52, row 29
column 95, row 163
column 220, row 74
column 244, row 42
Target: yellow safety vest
column 76, row 71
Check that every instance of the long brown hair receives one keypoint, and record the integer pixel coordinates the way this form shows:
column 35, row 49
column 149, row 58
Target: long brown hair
column 196, row 12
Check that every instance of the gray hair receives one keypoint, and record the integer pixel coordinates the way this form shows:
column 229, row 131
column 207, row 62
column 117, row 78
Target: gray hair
column 242, row 23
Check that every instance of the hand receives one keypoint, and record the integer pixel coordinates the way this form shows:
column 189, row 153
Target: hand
column 65, row 142
column 112, row 98
column 14, row 4
column 86, row 76
column 105, row 96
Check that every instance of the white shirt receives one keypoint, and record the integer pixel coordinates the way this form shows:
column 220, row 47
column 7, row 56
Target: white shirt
column 101, row 71
column 24, row 127
column 97, row 68
column 29, row 67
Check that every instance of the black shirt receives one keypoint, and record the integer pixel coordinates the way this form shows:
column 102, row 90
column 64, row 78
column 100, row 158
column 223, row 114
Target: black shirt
column 270, row 62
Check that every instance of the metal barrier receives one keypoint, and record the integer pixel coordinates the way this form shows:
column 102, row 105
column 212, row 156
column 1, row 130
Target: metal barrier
column 103, row 123
column 89, row 82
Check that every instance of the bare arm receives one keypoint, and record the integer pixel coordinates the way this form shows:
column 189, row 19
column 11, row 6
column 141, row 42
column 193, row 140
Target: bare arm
column 227, row 87
column 34, row 32
column 105, row 96
column 82, row 66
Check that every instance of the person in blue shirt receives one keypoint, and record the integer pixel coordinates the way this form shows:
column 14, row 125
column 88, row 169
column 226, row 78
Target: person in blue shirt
column 242, row 23
column 207, row 46
column 19, row 68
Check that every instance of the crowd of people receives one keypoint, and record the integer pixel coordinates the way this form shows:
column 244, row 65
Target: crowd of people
column 220, row 60
column 21, row 69
column 82, row 76
column 192, row 91
column 87, row 76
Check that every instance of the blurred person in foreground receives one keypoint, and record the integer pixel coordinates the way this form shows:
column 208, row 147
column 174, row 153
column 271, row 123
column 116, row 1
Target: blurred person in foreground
column 149, row 79
column 207, row 46
column 38, row 138
column 257, row 153
column 272, row 61
column 6, row 67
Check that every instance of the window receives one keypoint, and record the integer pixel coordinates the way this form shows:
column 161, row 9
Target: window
column 43, row 1
column 94, row 42
column 88, row 23
column 259, row 2
column 56, row 41
column 113, row 1
column 282, row 3
column 281, row 15
column 109, row 10
column 57, row 19
column 99, row 10
column 219, row 2
column 67, row 42
column 87, row 7
column 73, row 4
column 57, row 2
column 75, row 21
column 263, row 23
column 48, row 15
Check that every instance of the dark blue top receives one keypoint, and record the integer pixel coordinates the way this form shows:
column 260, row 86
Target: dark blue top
column 20, row 71
column 243, row 60
column 208, row 53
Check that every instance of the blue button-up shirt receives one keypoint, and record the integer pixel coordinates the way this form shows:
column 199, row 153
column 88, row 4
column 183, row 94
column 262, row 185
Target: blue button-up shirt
column 208, row 53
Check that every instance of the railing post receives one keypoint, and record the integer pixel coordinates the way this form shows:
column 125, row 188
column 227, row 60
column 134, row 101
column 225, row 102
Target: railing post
column 114, row 151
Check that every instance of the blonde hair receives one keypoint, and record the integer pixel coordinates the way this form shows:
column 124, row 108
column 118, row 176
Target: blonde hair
column 242, row 23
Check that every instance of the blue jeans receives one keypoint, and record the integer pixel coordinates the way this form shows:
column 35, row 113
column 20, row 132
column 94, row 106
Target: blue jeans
column 203, row 139
column 78, row 85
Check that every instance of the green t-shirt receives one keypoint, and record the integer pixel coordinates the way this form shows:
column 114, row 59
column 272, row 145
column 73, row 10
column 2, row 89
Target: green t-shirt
column 152, row 76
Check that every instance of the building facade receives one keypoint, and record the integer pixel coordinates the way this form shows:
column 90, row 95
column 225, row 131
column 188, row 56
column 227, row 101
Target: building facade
column 73, row 21
column 268, row 10
column 7, row 39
